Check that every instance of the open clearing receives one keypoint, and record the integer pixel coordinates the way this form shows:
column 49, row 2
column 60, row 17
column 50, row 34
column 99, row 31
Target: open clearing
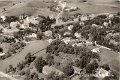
column 32, row 48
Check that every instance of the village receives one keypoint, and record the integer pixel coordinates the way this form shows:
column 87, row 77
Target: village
column 75, row 47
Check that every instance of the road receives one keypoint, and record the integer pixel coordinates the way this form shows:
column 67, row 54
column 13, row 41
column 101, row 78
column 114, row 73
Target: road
column 7, row 76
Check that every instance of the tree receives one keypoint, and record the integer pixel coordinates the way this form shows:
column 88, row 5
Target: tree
column 20, row 66
column 68, row 70
column 27, row 74
column 29, row 58
column 10, row 68
column 91, row 67
column 77, row 63
column 1, row 50
column 54, row 76
column 39, row 64
column 39, row 35
column 34, row 76
column 50, row 59
column 84, row 61
column 92, row 78
column 51, row 76
column 106, row 78
column 106, row 67
column 42, row 79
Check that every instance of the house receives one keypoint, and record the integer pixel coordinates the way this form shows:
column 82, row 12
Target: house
column 101, row 73
column 66, row 40
column 3, row 18
column 67, row 33
column 14, row 24
column 92, row 16
column 48, row 33
column 84, row 18
column 24, row 25
column 96, row 50
column 70, row 27
column 32, row 20
column 33, row 35
column 50, row 40
column 77, row 35
column 111, row 16
column 48, row 69
column 105, row 24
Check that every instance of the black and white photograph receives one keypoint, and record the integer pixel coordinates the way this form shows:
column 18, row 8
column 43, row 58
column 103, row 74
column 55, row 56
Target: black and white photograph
column 59, row 39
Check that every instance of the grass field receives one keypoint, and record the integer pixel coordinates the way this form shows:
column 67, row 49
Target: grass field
column 111, row 58
column 39, row 7
column 32, row 48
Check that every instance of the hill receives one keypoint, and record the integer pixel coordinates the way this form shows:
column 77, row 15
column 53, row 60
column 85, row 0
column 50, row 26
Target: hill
column 35, row 7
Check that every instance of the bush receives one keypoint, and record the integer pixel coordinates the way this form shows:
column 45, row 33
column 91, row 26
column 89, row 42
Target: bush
column 29, row 58
column 21, row 73
column 90, row 68
column 106, row 67
column 20, row 66
column 1, row 50
column 39, row 64
column 68, row 70
column 50, row 59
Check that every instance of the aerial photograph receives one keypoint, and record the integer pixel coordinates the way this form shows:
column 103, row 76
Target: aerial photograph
column 59, row 39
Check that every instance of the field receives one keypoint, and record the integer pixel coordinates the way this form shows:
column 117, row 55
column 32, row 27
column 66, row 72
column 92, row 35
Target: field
column 41, row 7
column 111, row 58
column 32, row 48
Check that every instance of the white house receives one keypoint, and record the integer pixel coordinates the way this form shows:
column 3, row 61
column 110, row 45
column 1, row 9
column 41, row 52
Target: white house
column 3, row 17
column 105, row 24
column 101, row 73
column 33, row 35
column 32, row 20
column 50, row 40
column 67, row 33
column 96, row 50
column 70, row 27
column 14, row 24
column 84, row 18
column 48, row 33
column 77, row 35
column 24, row 25
column 2, row 54
column 66, row 40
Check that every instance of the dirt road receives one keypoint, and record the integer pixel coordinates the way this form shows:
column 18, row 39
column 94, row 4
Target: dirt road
column 7, row 76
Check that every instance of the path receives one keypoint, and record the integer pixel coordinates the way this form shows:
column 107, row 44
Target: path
column 7, row 76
